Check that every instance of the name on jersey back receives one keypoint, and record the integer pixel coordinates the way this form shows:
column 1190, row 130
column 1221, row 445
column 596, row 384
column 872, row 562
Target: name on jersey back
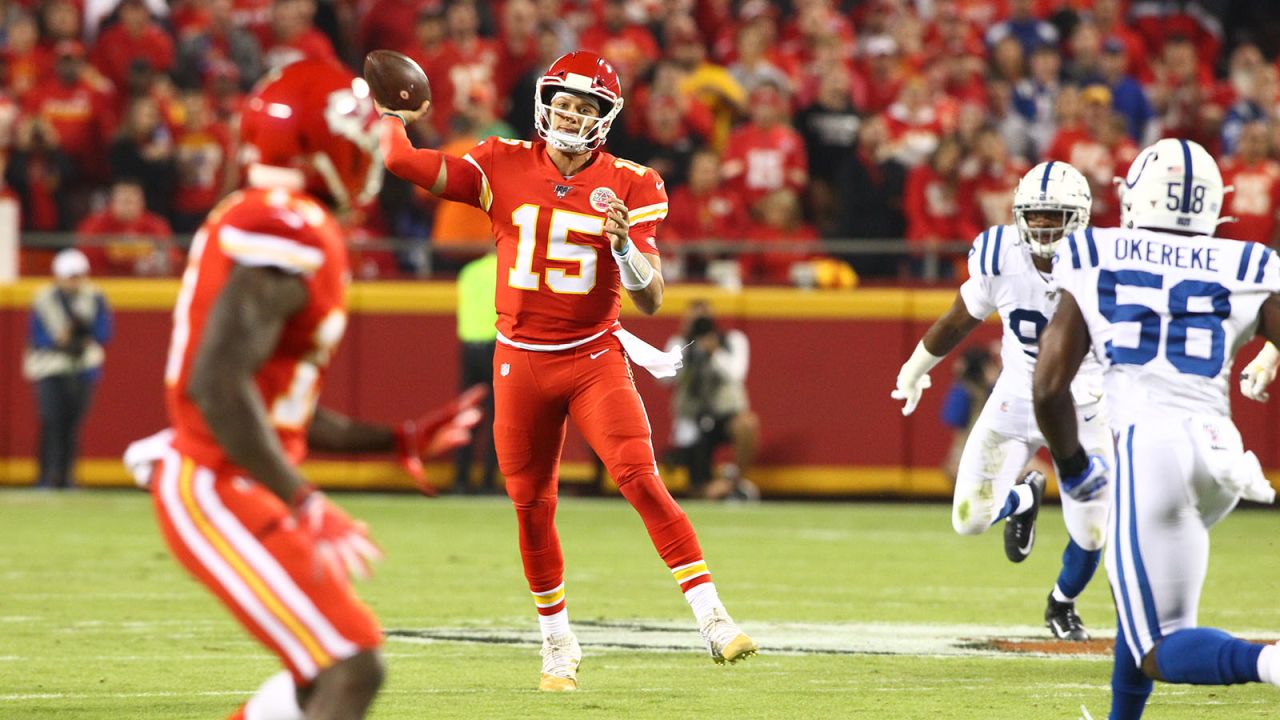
column 1158, row 253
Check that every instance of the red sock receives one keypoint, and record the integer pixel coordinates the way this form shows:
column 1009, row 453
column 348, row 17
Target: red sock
column 669, row 528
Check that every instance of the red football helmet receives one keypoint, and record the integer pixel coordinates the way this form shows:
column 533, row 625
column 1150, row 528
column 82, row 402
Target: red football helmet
column 581, row 73
column 311, row 126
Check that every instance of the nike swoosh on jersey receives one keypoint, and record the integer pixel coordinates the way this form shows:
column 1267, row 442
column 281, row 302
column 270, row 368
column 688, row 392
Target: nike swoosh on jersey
column 595, row 355
column 1087, row 418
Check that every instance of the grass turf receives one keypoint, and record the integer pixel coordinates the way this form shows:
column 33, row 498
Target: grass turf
column 97, row 621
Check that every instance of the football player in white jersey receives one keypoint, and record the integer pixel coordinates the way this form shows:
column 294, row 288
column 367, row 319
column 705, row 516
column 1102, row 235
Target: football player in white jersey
column 1009, row 268
column 1164, row 307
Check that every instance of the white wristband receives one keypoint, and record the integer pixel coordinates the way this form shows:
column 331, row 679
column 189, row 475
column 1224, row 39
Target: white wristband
column 918, row 365
column 634, row 268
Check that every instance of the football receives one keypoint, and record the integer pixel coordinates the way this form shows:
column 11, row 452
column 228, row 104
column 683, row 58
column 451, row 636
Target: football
column 396, row 81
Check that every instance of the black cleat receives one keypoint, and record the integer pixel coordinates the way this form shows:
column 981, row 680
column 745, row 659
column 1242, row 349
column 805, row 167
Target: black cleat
column 1020, row 530
column 1063, row 622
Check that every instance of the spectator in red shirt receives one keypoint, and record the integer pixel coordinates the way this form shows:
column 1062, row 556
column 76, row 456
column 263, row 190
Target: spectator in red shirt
column 136, row 37
column 201, row 150
column 390, row 23
column 437, row 56
column 627, row 44
column 28, row 63
column 1182, row 95
column 1099, row 147
column 219, row 41
column 991, row 176
column 477, row 57
column 1108, row 16
column 935, row 206
column 79, row 112
column 125, row 239
column 519, row 44
column 914, row 125
column 294, row 35
column 767, row 154
column 779, row 221
column 884, row 72
column 704, row 209
column 1256, row 178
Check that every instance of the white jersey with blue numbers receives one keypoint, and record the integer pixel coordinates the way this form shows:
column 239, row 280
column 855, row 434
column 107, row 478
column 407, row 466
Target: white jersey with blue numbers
column 1003, row 279
column 1166, row 314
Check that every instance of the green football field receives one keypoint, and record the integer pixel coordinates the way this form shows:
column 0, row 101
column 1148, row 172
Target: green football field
column 863, row 611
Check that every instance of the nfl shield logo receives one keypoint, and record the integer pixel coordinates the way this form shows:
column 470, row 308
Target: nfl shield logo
column 562, row 190
column 505, row 370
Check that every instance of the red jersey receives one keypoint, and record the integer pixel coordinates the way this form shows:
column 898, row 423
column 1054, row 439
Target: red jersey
column 116, row 50
column 991, row 190
column 1098, row 163
column 716, row 215
column 200, row 157
column 1255, row 200
column 759, row 160
column 262, row 228
column 81, row 115
column 557, row 280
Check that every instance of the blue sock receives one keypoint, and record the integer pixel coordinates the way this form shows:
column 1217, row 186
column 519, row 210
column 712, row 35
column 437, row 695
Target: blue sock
column 1078, row 566
column 1010, row 507
column 1129, row 687
column 1207, row 656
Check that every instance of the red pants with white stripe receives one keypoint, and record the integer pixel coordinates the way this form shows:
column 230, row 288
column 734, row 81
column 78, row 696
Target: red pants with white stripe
column 534, row 393
column 239, row 539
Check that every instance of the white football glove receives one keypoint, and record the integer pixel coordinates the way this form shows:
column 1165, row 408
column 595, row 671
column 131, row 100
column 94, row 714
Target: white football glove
column 910, row 391
column 1259, row 373
column 913, row 378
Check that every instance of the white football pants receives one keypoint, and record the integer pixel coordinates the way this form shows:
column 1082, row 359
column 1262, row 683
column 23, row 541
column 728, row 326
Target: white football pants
column 1001, row 443
column 1167, row 493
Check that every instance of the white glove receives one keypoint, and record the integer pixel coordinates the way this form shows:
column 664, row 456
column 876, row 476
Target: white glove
column 910, row 391
column 141, row 455
column 1259, row 373
column 913, row 378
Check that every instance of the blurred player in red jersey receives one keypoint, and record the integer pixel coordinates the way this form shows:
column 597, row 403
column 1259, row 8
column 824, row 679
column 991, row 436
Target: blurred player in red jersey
column 260, row 312
column 1256, row 178
column 573, row 223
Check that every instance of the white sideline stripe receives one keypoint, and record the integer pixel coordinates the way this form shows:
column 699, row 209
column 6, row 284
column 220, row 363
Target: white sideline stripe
column 224, row 574
column 269, row 570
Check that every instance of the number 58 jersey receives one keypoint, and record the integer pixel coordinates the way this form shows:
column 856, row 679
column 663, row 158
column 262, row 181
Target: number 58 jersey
column 289, row 232
column 557, row 281
column 1166, row 314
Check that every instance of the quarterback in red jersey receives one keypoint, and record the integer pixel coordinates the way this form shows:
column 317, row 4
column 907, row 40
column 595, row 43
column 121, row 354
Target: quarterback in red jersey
column 260, row 312
column 573, row 224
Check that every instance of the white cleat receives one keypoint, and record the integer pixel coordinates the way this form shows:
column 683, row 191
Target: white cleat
column 724, row 640
column 561, row 656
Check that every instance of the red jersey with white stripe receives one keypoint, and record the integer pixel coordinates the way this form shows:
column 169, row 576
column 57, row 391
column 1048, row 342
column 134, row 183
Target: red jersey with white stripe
column 557, row 280
column 281, row 229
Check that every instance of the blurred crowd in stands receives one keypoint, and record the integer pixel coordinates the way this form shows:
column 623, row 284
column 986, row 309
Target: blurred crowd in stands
column 789, row 123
